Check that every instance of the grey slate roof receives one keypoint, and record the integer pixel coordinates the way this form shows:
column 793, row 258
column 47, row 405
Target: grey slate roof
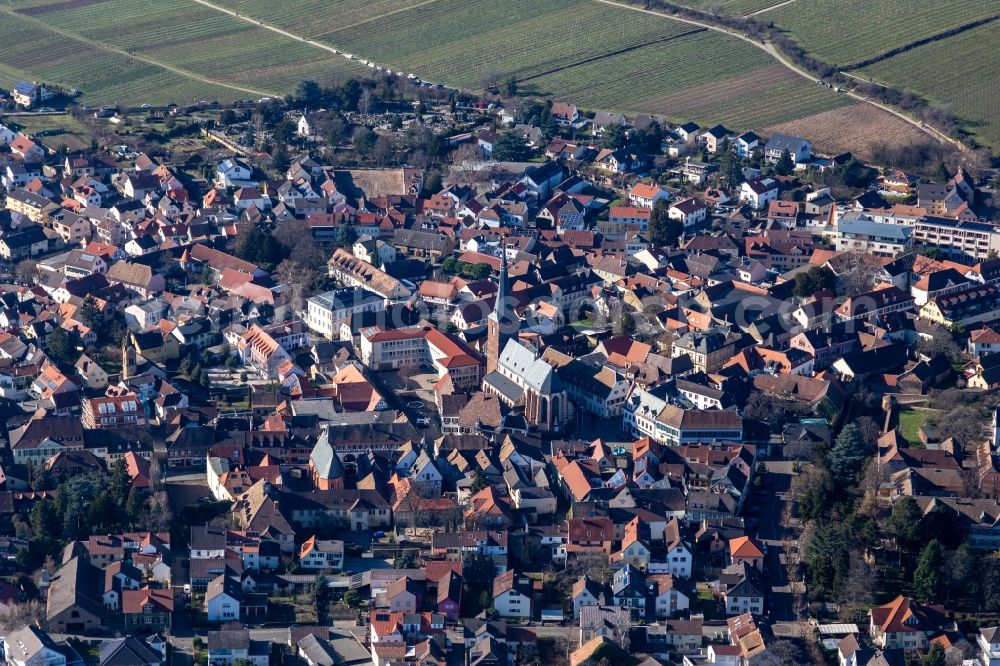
column 326, row 463
column 506, row 387
column 536, row 373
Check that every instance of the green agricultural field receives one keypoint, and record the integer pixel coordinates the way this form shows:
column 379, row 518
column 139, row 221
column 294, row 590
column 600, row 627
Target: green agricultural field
column 459, row 42
column 314, row 17
column 844, row 32
column 732, row 7
column 707, row 77
column 35, row 53
column 594, row 54
column 931, row 72
column 196, row 39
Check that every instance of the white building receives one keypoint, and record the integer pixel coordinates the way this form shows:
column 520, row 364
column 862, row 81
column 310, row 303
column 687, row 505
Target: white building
column 326, row 312
column 688, row 212
column 988, row 641
column 759, row 192
column 510, row 595
column 30, row 646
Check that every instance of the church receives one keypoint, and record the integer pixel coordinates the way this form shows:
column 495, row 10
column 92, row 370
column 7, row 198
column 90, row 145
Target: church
column 515, row 373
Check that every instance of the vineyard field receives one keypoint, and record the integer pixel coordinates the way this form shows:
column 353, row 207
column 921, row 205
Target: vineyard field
column 195, row 38
column 732, row 7
column 32, row 52
column 866, row 28
column 707, row 77
column 597, row 55
column 932, row 71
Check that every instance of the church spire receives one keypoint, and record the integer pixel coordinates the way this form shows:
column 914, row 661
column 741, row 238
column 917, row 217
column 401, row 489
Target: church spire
column 502, row 323
column 503, row 288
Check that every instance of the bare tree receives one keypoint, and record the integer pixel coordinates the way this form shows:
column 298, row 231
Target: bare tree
column 15, row 616
column 490, row 80
column 27, row 270
column 860, row 274
column 858, row 591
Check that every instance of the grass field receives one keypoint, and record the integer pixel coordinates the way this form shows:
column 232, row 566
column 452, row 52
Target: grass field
column 931, row 71
column 909, row 425
column 843, row 32
column 74, row 135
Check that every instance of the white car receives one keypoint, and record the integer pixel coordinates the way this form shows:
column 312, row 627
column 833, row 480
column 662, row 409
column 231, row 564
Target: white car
column 423, row 422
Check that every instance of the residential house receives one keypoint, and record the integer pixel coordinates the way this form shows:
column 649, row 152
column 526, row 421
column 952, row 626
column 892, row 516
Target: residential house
column 689, row 212
column 229, row 646
column 148, row 608
column 800, row 149
column 512, row 595
column 906, row 623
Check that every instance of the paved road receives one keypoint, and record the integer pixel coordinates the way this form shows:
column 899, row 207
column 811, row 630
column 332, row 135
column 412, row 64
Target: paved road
column 771, row 531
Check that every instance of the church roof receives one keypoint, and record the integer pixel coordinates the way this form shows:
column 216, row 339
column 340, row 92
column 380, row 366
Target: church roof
column 324, row 460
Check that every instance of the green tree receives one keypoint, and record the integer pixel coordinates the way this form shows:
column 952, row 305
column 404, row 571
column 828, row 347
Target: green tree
column 511, row 147
column 227, row 117
column 101, row 512
column 935, row 656
column 817, row 278
column 510, row 86
column 259, row 247
column 785, row 165
column 904, row 522
column 322, row 596
column 847, row 456
column 943, row 173
column 449, row 265
column 626, row 322
column 432, row 183
column 308, row 94
column 60, row 345
column 89, row 313
column 346, row 235
column 134, row 505
column 121, row 483
column 404, row 560
column 929, row 576
column 663, row 231
column 279, row 157
column 45, row 519
column 478, row 482
column 614, row 137
column 208, row 275
column 478, row 568
column 480, row 271
column 352, row 598
column 730, row 169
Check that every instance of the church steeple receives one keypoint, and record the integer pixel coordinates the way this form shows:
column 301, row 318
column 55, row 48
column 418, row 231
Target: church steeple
column 503, row 288
column 502, row 323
